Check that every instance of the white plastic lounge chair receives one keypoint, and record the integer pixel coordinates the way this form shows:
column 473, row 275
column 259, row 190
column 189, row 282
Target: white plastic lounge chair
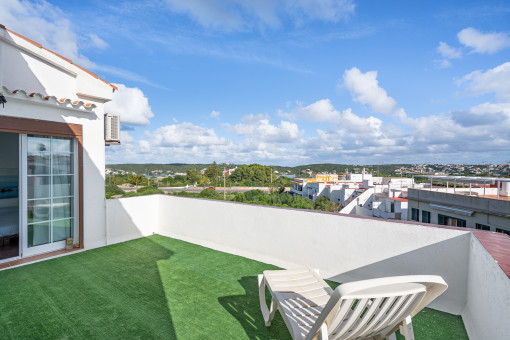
column 370, row 309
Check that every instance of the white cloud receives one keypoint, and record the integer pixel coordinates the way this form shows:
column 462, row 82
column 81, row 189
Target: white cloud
column 480, row 129
column 145, row 146
column 351, row 122
column 457, row 135
column 49, row 26
column 131, row 105
column 495, row 80
column 214, row 114
column 495, row 115
column 246, row 14
column 320, row 111
column 186, row 135
column 97, row 42
column 483, row 42
column 126, row 137
column 365, row 89
column 354, row 137
column 448, row 52
column 46, row 24
column 443, row 63
column 325, row 10
column 251, row 118
column 260, row 129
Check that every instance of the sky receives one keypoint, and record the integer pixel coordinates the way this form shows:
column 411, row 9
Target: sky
column 291, row 82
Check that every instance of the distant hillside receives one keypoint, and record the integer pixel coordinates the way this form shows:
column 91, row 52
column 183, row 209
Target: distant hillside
column 386, row 169
column 144, row 168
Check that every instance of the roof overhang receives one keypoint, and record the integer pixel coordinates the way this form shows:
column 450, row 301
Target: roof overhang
column 446, row 208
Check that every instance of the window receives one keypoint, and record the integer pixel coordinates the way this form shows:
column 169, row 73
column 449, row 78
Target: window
column 483, row 227
column 392, row 207
column 451, row 221
column 415, row 214
column 425, row 216
column 498, row 230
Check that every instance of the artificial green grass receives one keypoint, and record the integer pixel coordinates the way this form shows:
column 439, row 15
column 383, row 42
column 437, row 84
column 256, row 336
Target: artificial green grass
column 154, row 287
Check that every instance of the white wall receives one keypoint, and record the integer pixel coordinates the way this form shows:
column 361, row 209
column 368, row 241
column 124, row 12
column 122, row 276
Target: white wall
column 488, row 296
column 505, row 188
column 362, row 211
column 344, row 248
column 366, row 196
column 131, row 218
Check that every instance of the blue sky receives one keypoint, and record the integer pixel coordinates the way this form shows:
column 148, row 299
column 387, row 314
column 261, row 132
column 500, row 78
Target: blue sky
column 291, row 82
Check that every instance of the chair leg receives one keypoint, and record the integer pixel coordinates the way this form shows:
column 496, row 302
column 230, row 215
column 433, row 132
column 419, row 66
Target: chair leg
column 392, row 336
column 323, row 334
column 272, row 311
column 267, row 314
column 406, row 329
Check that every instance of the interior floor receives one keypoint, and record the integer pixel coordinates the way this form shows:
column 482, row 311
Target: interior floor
column 9, row 246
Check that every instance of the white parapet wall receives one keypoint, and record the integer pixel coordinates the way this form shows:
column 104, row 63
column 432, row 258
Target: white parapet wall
column 344, row 248
column 488, row 296
column 131, row 218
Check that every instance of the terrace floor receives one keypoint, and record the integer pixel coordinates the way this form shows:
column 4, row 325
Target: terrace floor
column 153, row 287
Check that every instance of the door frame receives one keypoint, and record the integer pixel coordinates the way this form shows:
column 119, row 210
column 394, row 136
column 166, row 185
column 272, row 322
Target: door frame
column 56, row 129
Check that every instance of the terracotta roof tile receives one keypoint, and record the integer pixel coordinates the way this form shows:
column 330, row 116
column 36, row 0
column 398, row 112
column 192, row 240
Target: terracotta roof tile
column 58, row 55
column 59, row 102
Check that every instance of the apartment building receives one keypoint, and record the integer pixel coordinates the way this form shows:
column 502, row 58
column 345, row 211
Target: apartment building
column 470, row 202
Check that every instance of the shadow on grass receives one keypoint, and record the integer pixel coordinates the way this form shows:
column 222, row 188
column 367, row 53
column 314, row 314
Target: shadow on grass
column 246, row 309
column 113, row 292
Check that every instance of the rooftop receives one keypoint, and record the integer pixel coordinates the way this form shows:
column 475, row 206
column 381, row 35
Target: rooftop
column 467, row 179
column 153, row 287
column 400, row 199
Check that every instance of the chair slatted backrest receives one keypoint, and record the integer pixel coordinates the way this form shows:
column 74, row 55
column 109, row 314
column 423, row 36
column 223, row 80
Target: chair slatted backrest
column 370, row 308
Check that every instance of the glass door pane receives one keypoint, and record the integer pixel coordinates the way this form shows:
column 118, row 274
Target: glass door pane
column 38, row 233
column 50, row 189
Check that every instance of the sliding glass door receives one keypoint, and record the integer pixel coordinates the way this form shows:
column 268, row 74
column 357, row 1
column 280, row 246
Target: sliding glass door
column 49, row 192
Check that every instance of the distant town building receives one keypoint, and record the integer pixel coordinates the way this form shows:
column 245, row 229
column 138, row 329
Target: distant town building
column 471, row 202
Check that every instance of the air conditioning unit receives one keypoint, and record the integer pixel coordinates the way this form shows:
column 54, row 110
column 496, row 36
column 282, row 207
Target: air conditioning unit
column 111, row 129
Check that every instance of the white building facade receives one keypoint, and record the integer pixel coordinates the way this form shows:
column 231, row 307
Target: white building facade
column 479, row 203
column 53, row 159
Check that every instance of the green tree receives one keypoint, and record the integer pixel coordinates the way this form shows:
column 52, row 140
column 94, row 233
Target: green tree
column 212, row 172
column 193, row 176
column 323, row 203
column 143, row 191
column 209, row 193
column 112, row 190
column 137, row 179
column 253, row 175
